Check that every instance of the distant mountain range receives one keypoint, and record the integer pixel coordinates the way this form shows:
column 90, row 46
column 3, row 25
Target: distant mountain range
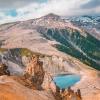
column 89, row 23
column 76, row 36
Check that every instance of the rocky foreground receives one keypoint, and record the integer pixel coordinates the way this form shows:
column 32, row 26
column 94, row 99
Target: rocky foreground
column 35, row 83
column 13, row 90
column 23, row 87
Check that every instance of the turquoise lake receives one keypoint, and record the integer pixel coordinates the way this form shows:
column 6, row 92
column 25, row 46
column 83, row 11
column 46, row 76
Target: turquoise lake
column 64, row 81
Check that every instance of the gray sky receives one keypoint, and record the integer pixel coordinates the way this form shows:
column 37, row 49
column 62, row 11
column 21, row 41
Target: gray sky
column 14, row 10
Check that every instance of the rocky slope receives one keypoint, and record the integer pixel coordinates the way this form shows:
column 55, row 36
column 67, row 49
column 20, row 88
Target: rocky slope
column 52, row 32
column 45, row 38
column 89, row 23
column 13, row 90
column 53, row 65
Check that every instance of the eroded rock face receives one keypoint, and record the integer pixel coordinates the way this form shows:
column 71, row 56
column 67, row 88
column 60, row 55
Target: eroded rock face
column 36, row 71
column 4, row 70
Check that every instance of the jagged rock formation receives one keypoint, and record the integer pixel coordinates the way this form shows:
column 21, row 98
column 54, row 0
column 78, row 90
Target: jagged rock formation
column 17, row 59
column 4, row 70
column 36, row 71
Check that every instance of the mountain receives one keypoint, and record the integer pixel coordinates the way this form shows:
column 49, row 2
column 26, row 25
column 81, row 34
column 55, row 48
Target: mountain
column 52, row 32
column 90, row 23
column 61, row 45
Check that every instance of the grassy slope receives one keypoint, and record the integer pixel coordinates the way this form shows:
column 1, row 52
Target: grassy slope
column 70, row 39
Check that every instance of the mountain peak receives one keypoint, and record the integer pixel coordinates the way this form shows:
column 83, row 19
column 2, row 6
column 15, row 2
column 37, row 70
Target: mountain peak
column 52, row 16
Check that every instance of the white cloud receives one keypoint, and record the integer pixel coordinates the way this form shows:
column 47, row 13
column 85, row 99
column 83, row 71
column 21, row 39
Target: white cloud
column 60, row 7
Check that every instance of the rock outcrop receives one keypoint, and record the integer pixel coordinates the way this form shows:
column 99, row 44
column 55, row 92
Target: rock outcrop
column 4, row 70
column 39, row 74
column 35, row 71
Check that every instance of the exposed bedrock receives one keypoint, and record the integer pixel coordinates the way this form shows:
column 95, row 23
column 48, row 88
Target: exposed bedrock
column 36, row 71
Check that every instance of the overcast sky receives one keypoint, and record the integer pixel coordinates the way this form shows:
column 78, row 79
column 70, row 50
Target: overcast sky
column 13, row 10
